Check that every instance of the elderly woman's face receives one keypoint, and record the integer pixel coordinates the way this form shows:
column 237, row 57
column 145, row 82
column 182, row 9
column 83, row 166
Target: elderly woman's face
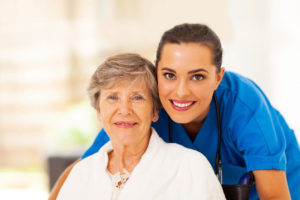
column 126, row 112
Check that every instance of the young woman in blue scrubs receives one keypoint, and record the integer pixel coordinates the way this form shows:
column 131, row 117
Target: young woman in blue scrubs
column 255, row 137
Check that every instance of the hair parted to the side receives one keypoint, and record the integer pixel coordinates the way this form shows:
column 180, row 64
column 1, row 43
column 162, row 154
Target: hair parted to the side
column 120, row 67
column 192, row 33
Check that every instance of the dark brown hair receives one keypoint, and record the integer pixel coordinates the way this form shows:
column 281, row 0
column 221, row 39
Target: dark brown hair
column 193, row 33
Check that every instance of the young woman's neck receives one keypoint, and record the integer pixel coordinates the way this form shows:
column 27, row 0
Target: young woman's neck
column 192, row 128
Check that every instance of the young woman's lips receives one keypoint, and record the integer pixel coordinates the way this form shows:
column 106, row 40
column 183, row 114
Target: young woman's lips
column 181, row 105
column 125, row 124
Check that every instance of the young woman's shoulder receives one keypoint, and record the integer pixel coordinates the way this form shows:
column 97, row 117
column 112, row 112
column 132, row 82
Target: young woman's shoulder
column 245, row 111
column 235, row 88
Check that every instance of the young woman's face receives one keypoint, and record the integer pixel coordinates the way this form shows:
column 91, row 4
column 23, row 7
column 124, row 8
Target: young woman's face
column 187, row 79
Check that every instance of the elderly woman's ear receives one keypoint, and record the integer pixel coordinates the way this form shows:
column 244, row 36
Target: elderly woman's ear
column 98, row 108
column 99, row 116
column 155, row 117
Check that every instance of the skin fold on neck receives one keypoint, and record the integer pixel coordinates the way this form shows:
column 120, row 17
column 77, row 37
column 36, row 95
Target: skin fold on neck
column 126, row 157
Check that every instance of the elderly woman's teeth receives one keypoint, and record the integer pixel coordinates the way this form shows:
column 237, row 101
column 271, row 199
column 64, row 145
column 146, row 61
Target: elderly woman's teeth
column 125, row 123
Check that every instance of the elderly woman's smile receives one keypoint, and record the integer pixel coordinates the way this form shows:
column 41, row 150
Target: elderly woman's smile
column 125, row 124
column 126, row 111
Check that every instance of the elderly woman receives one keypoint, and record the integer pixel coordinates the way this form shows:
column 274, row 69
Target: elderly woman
column 136, row 163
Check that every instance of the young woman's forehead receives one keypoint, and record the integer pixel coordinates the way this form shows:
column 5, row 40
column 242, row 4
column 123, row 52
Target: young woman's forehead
column 190, row 56
column 191, row 49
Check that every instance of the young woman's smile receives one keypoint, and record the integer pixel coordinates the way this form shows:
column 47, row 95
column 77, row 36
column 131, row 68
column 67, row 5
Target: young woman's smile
column 181, row 105
column 187, row 80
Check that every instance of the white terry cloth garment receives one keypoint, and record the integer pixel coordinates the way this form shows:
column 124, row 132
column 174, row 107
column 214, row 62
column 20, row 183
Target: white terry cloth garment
column 165, row 171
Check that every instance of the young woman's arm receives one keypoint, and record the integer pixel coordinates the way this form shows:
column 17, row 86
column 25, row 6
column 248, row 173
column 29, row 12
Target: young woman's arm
column 271, row 184
column 60, row 181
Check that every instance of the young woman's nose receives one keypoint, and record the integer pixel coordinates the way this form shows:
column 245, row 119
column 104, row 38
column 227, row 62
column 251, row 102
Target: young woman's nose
column 182, row 89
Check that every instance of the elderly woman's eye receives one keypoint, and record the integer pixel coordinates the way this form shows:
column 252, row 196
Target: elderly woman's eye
column 112, row 97
column 138, row 97
column 197, row 77
column 170, row 76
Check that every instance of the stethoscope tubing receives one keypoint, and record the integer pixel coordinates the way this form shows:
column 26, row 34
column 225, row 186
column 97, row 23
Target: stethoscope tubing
column 218, row 161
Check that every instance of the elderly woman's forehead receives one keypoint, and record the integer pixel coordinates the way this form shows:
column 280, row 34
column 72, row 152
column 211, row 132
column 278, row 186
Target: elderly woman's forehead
column 139, row 82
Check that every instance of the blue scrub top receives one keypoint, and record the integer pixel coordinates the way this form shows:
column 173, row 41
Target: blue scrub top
column 254, row 134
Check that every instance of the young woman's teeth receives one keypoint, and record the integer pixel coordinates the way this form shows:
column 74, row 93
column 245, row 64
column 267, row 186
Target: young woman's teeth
column 182, row 105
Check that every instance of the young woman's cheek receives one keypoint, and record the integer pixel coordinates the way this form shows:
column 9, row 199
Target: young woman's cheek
column 166, row 88
column 201, row 90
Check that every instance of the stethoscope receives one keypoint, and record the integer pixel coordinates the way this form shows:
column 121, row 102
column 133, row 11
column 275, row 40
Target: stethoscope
column 246, row 178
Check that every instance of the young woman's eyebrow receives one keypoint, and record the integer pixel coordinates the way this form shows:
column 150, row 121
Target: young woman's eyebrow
column 197, row 70
column 168, row 69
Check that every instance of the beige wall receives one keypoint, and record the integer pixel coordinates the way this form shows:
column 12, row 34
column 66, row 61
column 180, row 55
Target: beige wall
column 48, row 50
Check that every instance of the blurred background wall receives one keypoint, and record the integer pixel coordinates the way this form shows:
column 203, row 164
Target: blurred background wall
column 49, row 49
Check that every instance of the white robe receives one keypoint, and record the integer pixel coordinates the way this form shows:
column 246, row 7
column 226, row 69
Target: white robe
column 165, row 171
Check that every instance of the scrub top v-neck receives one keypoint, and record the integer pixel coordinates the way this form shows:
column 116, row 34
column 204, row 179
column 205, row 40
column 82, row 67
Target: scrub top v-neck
column 205, row 141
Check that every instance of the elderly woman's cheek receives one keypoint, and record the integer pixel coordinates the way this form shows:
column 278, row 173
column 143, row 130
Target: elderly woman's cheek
column 106, row 110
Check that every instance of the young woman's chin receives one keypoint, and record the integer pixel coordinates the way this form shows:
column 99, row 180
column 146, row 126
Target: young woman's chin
column 195, row 114
column 181, row 119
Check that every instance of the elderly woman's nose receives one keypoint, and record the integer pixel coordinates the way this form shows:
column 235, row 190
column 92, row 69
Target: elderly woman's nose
column 125, row 107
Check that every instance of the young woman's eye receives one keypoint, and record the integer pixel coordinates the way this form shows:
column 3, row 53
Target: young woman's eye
column 197, row 77
column 170, row 76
